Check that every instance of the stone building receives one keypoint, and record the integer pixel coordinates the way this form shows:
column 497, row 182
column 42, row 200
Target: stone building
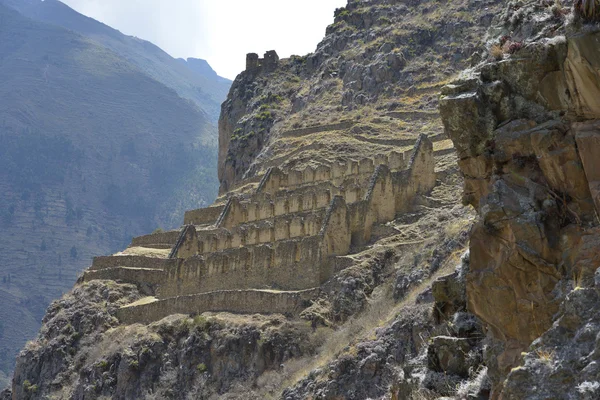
column 268, row 63
column 271, row 249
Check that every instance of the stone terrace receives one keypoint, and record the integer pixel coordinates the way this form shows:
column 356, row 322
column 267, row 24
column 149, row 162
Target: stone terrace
column 269, row 250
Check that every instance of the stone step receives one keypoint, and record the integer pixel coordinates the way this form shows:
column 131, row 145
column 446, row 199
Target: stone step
column 443, row 147
column 157, row 246
column 249, row 301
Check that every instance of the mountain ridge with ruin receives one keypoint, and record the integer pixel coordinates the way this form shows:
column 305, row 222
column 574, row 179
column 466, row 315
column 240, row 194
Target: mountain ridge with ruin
column 353, row 251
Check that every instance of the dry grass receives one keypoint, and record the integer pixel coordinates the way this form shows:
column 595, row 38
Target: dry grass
column 380, row 311
column 145, row 251
column 455, row 227
column 545, row 356
column 497, row 52
column 578, row 280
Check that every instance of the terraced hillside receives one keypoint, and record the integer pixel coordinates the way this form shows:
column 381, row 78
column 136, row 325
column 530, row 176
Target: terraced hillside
column 374, row 79
column 354, row 266
column 93, row 152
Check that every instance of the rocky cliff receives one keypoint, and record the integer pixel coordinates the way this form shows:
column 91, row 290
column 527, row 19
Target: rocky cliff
column 525, row 125
column 494, row 298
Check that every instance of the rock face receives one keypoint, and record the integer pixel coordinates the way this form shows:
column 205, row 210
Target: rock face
column 526, row 128
column 415, row 356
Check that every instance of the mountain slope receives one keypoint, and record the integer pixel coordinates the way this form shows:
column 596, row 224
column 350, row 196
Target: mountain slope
column 371, row 80
column 202, row 86
column 93, row 152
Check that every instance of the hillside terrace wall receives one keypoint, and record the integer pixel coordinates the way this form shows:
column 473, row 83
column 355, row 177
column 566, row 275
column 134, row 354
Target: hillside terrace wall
column 139, row 276
column 265, row 205
column 293, row 264
column 281, row 227
column 105, row 262
column 299, row 263
column 260, row 208
column 235, row 301
column 350, row 187
column 389, row 192
column 203, row 216
column 340, row 126
column 275, row 179
column 162, row 238
column 285, row 265
column 418, row 178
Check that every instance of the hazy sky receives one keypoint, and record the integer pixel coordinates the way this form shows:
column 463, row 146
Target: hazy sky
column 220, row 31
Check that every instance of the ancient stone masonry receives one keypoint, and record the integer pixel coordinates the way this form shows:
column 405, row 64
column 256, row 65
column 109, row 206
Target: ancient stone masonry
column 268, row 63
column 275, row 245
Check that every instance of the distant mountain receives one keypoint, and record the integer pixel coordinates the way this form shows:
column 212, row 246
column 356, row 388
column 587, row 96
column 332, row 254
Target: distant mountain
column 93, row 150
column 203, row 68
column 194, row 80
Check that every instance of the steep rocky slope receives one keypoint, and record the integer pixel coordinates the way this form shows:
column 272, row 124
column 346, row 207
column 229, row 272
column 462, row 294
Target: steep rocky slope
column 525, row 125
column 376, row 44
column 378, row 71
column 93, row 152
column 441, row 303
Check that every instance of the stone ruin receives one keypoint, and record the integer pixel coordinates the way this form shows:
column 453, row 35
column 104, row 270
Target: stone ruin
column 268, row 63
column 269, row 251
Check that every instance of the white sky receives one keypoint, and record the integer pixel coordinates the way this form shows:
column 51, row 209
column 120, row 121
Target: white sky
column 220, row 31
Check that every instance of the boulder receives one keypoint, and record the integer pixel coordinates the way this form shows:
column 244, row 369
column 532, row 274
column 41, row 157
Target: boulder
column 449, row 355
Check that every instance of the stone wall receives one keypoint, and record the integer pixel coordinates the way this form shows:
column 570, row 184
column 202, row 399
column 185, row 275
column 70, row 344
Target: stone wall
column 276, row 212
column 268, row 63
column 258, row 208
column 159, row 240
column 141, row 276
column 340, row 126
column 285, row 236
column 280, row 227
column 238, row 301
column 285, row 265
column 203, row 216
column 106, row 262
column 418, row 178
column 359, row 171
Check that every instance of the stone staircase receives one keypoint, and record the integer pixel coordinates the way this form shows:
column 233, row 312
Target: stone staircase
column 270, row 250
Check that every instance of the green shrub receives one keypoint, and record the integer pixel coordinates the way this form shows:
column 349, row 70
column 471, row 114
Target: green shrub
column 28, row 387
column 264, row 116
column 201, row 323
column 201, row 368
column 341, row 13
